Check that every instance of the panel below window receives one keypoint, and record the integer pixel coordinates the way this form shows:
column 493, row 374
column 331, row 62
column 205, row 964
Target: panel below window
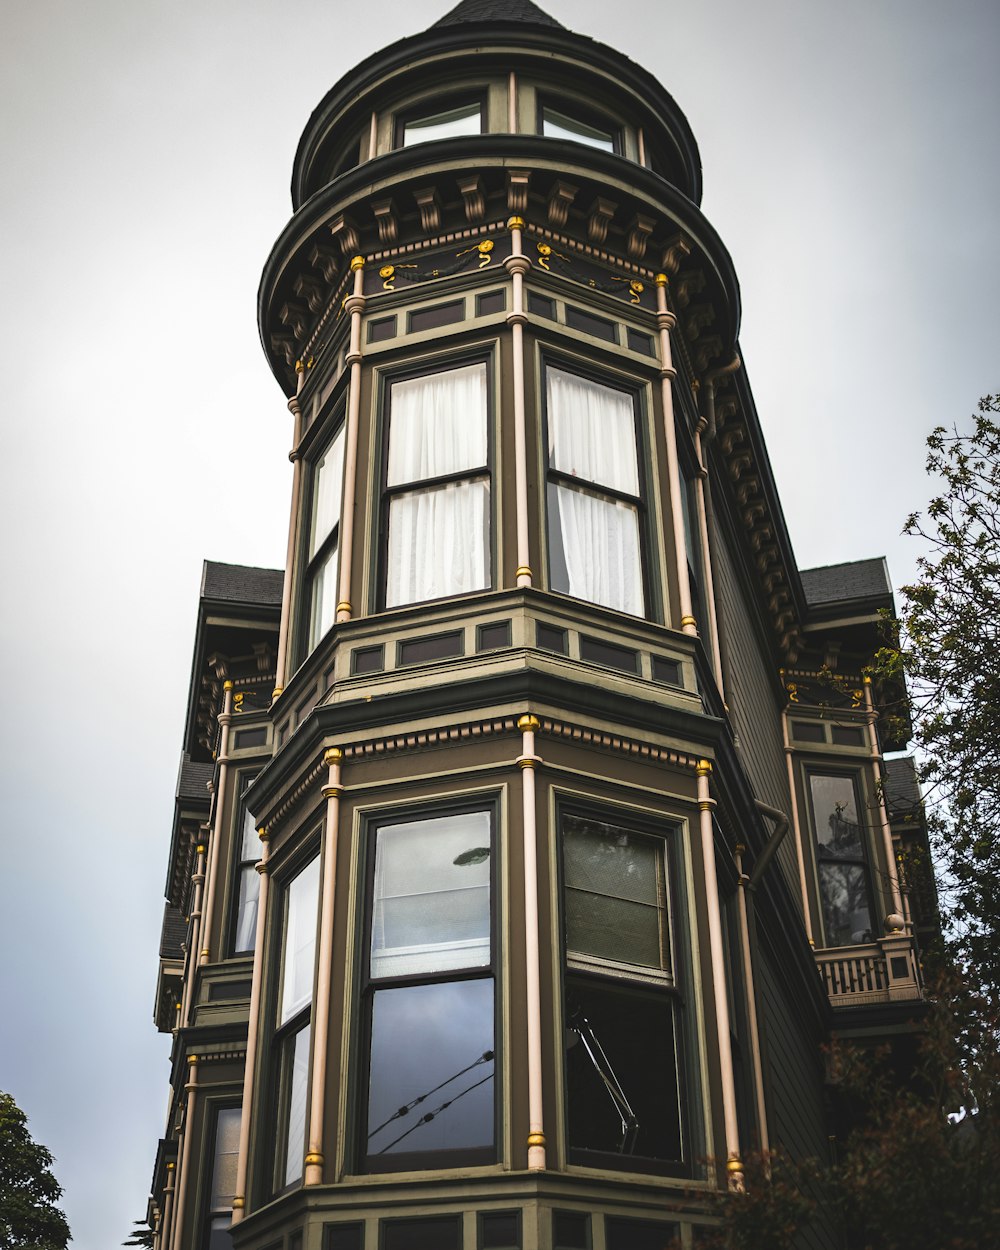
column 441, row 1232
column 621, row 1234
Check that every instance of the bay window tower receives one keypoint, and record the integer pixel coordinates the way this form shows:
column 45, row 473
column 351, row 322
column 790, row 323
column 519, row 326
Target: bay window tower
column 458, row 950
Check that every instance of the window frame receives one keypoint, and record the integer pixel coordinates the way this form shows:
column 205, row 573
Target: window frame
column 216, row 1108
column 366, row 986
column 616, row 976
column 636, row 390
column 311, row 565
column 584, row 115
column 435, row 106
column 404, row 373
column 241, row 867
column 866, row 861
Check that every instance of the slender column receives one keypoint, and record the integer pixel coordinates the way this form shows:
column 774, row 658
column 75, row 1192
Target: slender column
column 796, row 826
column 373, row 136
column 198, row 882
column 355, row 305
column 183, row 1181
column 527, row 761
column 517, row 265
column 666, row 322
column 641, row 141
column 706, row 551
column 212, row 878
column 168, row 1208
column 512, row 103
column 253, row 1021
column 894, row 922
column 324, row 973
column 706, row 805
column 743, row 883
column 295, row 408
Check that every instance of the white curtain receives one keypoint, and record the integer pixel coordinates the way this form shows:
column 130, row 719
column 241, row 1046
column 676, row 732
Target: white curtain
column 323, row 609
column 592, row 432
column 295, row 1139
column 600, row 540
column 328, row 485
column 439, row 536
column 300, row 941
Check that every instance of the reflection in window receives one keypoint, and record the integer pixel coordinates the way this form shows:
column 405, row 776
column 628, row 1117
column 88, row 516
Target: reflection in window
column 594, row 493
column 247, row 887
column 845, row 893
column 465, row 119
column 227, row 1146
column 430, row 995
column 621, row 1068
column 560, row 126
column 323, row 544
column 438, row 486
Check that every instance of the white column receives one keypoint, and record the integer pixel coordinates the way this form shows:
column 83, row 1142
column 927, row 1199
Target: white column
column 527, row 761
column 517, row 265
column 212, row 877
column 706, row 805
column 895, row 922
column 191, row 963
column 355, row 306
column 253, row 1025
column 666, row 321
column 183, row 1180
column 280, row 674
column 324, row 972
column 168, row 1207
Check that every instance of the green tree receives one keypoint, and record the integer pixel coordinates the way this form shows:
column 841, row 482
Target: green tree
column 947, row 644
column 29, row 1218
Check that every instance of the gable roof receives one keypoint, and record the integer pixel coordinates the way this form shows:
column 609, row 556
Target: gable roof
column 497, row 11
column 836, row 583
column 902, row 786
column 241, row 583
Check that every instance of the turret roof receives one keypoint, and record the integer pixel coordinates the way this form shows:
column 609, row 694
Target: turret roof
column 497, row 11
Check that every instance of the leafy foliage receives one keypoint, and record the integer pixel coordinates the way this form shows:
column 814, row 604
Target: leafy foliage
column 948, row 646
column 29, row 1218
column 141, row 1235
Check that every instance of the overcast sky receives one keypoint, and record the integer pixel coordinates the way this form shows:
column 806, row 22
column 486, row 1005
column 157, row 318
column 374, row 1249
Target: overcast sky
column 851, row 167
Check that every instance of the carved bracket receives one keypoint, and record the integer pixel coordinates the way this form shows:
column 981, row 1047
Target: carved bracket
column 561, row 197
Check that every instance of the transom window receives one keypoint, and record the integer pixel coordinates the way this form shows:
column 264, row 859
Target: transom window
column 622, row 1090
column 462, row 119
column 842, row 863
column 594, row 492
column 559, row 125
column 429, row 995
column 437, row 486
column 323, row 539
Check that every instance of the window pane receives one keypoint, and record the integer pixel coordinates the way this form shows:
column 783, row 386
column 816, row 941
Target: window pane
column 327, row 490
column 295, row 1139
column 847, row 917
column 464, row 120
column 220, row 1236
column 227, row 1147
column 246, row 911
column 249, row 839
column 323, row 597
column 559, row 126
column 592, row 431
column 439, row 543
column 300, row 941
column 615, row 894
column 431, row 1053
column 431, row 909
column 835, row 812
column 621, row 1038
column 437, row 425
column 594, row 549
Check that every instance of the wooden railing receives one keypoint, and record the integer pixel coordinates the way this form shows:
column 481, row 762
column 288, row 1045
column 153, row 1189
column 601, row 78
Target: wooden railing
column 880, row 972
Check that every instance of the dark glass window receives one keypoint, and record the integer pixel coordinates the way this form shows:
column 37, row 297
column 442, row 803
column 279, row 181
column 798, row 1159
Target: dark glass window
column 448, row 123
column 639, row 342
column 551, row 638
column 431, row 647
column 322, row 545
column 541, row 305
column 559, row 125
column 667, row 671
column 500, row 1230
column 438, row 315
column 577, row 319
column 490, row 302
column 382, row 329
column 595, row 503
column 842, row 862
column 225, row 1150
column 344, row 1237
column 622, row 1093
column 808, row 731
column 608, row 653
column 571, row 1230
column 429, row 999
column 244, row 925
column 847, row 735
column 368, row 659
column 437, row 486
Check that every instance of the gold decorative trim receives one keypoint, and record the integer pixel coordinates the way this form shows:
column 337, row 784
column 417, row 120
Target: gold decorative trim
column 689, row 620
column 515, row 223
column 661, row 279
column 332, row 792
column 703, row 768
column 344, row 606
column 333, row 755
column 277, row 692
column 528, row 723
column 227, row 685
column 204, row 951
column 527, row 761
column 238, row 1203
column 536, row 1139
column 313, row 1157
column 523, row 571
column 357, row 262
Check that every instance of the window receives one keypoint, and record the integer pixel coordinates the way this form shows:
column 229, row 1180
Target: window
column 244, row 931
column 462, row 119
column 437, row 486
column 841, row 862
column 298, row 959
column 323, row 539
column 559, row 125
column 429, row 994
column 594, row 492
column 622, row 1094
column 225, row 1152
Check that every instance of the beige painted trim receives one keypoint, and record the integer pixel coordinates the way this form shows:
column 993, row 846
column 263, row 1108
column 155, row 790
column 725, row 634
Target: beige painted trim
column 666, row 321
column 164, row 1230
column 314, row 1159
column 706, row 805
column 183, row 1181
column 743, row 882
column 253, row 1026
column 512, row 102
column 797, row 827
column 198, row 882
column 212, row 877
column 527, row 762
column 280, row 675
column 517, row 265
column 706, row 558
column 355, row 305
column 373, row 136
column 890, row 854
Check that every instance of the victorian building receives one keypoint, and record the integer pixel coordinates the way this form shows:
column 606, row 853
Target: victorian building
column 532, row 830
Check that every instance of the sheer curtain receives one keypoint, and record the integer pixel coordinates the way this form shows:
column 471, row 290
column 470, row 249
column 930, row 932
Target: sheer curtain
column 439, row 534
column 592, row 438
column 300, row 941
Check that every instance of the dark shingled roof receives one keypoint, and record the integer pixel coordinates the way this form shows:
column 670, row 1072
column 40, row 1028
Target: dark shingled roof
column 497, row 11
column 902, row 789
column 834, row 583
column 193, row 779
column 241, row 584
column 173, row 935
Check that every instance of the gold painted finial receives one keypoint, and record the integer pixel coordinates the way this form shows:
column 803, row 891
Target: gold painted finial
column 263, row 834
column 515, row 223
column 333, row 756
column 227, row 685
column 661, row 279
column 703, row 768
column 357, row 262
column 192, row 1060
column 867, row 680
column 170, row 1167
column 199, row 849
column 528, row 724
